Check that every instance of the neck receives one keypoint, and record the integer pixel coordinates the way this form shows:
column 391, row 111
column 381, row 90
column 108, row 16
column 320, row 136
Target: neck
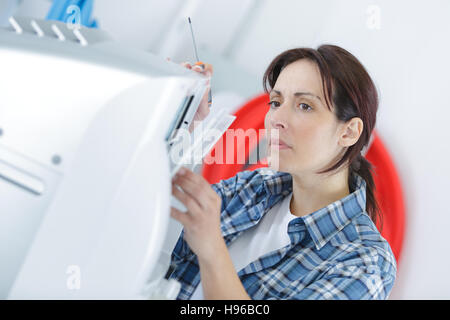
column 312, row 192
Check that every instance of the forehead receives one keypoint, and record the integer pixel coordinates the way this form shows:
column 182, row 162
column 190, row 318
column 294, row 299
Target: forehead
column 302, row 75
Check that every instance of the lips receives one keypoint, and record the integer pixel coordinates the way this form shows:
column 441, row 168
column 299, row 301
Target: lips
column 279, row 142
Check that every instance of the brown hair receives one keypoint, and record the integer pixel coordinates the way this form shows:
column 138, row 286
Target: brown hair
column 348, row 86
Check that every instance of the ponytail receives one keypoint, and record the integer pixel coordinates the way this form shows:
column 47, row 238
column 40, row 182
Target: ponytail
column 361, row 166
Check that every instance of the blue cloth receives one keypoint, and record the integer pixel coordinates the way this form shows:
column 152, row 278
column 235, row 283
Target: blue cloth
column 58, row 11
column 335, row 252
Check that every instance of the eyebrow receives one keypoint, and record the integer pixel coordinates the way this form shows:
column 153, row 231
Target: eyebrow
column 299, row 94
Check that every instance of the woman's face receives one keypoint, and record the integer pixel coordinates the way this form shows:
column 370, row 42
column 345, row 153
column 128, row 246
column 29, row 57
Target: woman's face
column 309, row 129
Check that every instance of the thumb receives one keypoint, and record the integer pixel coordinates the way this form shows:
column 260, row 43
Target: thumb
column 209, row 69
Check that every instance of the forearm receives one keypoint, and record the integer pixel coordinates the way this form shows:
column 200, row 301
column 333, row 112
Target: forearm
column 219, row 278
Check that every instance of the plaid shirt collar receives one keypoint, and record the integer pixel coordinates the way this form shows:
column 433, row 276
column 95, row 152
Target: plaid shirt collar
column 325, row 223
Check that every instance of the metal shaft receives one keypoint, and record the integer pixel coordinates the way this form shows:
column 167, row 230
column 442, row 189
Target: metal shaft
column 193, row 40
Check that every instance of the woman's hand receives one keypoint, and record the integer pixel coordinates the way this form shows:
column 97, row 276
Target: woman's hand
column 203, row 109
column 202, row 220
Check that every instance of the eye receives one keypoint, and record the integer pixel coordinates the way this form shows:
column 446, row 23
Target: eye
column 271, row 104
column 305, row 107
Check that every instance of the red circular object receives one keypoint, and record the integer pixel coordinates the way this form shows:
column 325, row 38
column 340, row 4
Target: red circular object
column 389, row 194
column 388, row 190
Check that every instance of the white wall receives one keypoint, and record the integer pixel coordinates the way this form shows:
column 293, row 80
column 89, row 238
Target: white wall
column 407, row 57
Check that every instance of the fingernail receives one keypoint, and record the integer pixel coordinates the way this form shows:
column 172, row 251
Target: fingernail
column 182, row 171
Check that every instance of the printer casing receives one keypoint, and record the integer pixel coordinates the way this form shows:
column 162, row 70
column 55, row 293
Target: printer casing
column 84, row 162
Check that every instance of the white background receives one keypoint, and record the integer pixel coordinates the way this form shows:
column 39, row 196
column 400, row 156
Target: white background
column 404, row 45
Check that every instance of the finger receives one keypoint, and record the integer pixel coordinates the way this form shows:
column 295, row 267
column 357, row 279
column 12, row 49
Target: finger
column 186, row 65
column 194, row 183
column 192, row 177
column 180, row 216
column 198, row 69
column 204, row 68
column 201, row 64
column 187, row 199
column 208, row 69
column 193, row 193
column 203, row 109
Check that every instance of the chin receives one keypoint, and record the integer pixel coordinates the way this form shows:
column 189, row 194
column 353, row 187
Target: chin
column 280, row 166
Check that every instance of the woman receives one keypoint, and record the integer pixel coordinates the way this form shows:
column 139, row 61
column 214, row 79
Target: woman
column 306, row 231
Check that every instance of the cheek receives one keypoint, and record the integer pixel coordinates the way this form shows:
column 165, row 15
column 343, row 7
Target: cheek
column 312, row 142
column 308, row 135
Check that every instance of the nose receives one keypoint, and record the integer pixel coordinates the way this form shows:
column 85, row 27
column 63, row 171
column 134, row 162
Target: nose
column 278, row 118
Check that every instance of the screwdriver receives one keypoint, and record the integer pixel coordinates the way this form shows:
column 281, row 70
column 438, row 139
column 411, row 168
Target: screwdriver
column 199, row 63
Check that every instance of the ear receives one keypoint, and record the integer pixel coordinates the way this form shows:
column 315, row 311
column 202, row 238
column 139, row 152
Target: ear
column 351, row 132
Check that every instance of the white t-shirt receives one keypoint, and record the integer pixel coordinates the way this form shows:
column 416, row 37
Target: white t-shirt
column 268, row 235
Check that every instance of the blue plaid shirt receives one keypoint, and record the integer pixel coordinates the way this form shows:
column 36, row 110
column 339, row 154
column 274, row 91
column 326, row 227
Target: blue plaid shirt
column 334, row 253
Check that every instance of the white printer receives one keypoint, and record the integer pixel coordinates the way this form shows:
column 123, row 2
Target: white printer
column 85, row 189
